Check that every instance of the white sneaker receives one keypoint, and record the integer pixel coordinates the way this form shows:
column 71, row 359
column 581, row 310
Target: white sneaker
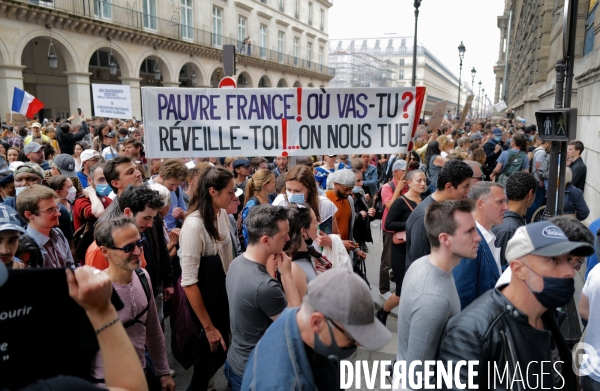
column 386, row 295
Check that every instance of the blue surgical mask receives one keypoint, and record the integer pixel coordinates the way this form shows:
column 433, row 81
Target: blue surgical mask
column 103, row 189
column 356, row 189
column 508, row 140
column 498, row 138
column 20, row 189
column 297, row 198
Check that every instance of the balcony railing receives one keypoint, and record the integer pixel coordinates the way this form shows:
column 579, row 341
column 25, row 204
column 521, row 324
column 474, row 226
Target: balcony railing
column 121, row 16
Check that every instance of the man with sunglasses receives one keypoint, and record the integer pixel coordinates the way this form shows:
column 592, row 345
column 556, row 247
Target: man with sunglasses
column 514, row 325
column 38, row 207
column 303, row 347
column 120, row 242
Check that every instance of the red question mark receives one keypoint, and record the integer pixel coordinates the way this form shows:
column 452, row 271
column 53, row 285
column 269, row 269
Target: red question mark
column 410, row 97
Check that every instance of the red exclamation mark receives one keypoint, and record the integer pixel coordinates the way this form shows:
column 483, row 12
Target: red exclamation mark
column 299, row 104
column 284, row 136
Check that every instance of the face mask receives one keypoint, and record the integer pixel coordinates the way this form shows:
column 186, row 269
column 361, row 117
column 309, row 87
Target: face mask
column 498, row 138
column 103, row 189
column 356, row 189
column 508, row 140
column 307, row 240
column 297, row 198
column 71, row 194
column 557, row 292
column 121, row 138
column 333, row 352
column 20, row 189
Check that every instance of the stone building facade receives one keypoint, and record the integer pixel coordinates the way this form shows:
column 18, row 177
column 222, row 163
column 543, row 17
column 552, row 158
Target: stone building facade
column 387, row 62
column 183, row 39
column 535, row 44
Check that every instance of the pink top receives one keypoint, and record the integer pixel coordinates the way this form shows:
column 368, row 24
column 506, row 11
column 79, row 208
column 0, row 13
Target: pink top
column 386, row 195
column 149, row 333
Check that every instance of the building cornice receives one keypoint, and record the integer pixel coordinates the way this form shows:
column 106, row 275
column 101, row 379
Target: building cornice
column 264, row 15
column 243, row 6
column 282, row 23
column 297, row 29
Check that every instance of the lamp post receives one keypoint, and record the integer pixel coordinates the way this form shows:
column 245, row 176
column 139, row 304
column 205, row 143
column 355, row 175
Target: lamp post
column 52, row 58
column 417, row 4
column 483, row 108
column 461, row 55
column 479, row 99
column 473, row 72
column 486, row 106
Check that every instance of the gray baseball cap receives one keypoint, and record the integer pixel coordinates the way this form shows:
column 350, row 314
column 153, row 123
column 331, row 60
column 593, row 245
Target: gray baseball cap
column 32, row 147
column 342, row 296
column 544, row 239
column 66, row 164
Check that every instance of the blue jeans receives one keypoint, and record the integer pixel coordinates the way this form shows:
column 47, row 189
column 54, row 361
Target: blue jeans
column 540, row 194
column 234, row 380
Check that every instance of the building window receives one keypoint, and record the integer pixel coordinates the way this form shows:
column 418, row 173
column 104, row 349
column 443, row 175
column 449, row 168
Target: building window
column 280, row 45
column 588, row 43
column 309, row 54
column 296, row 9
column 321, row 57
column 242, row 31
column 217, row 26
column 102, row 9
column 403, row 42
column 401, row 62
column 296, row 50
column 322, row 22
column 281, row 7
column 310, row 8
column 187, row 24
column 401, row 74
column 263, row 41
column 149, row 9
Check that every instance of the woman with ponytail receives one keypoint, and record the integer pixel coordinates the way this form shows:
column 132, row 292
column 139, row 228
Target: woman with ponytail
column 259, row 190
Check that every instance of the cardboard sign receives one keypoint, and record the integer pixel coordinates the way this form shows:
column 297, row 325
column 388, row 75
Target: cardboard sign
column 437, row 116
column 112, row 101
column 465, row 111
column 17, row 119
column 199, row 122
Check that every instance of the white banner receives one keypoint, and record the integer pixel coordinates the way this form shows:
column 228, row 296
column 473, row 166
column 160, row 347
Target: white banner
column 203, row 122
column 112, row 101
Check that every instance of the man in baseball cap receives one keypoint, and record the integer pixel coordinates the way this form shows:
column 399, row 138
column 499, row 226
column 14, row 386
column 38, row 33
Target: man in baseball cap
column 10, row 230
column 88, row 158
column 36, row 133
column 64, row 164
column 302, row 348
column 35, row 153
column 518, row 319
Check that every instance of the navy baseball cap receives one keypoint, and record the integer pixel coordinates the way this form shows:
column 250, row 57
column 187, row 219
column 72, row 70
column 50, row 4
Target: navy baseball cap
column 8, row 220
column 544, row 239
column 241, row 163
column 497, row 132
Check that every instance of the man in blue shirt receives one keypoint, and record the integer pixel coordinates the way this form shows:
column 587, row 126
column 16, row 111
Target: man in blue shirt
column 171, row 174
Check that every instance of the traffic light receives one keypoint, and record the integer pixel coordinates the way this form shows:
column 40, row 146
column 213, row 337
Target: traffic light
column 555, row 124
column 229, row 60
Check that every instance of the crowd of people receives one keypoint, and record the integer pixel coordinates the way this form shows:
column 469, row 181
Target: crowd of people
column 258, row 264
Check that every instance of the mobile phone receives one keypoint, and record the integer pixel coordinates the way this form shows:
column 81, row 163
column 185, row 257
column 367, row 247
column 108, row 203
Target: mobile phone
column 79, row 110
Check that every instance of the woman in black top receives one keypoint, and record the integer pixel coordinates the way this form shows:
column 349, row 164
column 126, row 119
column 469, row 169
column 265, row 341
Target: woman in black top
column 396, row 222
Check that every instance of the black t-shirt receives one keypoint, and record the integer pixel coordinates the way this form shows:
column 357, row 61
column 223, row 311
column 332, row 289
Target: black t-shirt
column 43, row 332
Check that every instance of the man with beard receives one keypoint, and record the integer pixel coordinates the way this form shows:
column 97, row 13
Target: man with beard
column 120, row 242
column 35, row 154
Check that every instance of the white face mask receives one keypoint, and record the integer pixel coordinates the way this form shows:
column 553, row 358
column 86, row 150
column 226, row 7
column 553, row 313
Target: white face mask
column 71, row 194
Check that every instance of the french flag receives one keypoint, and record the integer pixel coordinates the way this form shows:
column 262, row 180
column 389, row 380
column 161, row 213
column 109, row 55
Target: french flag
column 25, row 104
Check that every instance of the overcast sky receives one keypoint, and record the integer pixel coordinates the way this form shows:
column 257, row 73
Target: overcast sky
column 442, row 26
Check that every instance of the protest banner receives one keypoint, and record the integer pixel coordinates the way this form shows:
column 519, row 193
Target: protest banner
column 465, row 112
column 112, row 101
column 278, row 121
column 437, row 116
column 17, row 119
column 500, row 106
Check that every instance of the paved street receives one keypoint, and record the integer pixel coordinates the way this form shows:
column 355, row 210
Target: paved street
column 183, row 377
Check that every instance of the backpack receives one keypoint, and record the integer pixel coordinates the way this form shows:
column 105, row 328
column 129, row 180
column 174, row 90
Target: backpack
column 544, row 170
column 82, row 240
column 144, row 281
column 28, row 245
column 378, row 202
column 514, row 163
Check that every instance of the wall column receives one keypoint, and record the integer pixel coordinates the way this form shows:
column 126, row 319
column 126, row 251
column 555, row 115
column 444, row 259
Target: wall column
column 11, row 76
column 136, row 94
column 80, row 95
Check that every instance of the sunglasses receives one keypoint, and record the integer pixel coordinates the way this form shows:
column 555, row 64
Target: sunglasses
column 130, row 247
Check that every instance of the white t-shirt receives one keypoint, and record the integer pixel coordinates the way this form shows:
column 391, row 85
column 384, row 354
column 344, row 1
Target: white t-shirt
column 592, row 290
column 109, row 153
column 326, row 207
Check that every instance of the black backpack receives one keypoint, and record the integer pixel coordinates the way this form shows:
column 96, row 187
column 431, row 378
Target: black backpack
column 378, row 202
column 82, row 240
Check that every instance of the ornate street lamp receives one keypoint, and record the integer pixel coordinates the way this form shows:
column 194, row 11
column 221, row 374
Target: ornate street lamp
column 52, row 59
column 417, row 4
column 479, row 99
column 112, row 64
column 473, row 72
column 156, row 68
column 461, row 55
